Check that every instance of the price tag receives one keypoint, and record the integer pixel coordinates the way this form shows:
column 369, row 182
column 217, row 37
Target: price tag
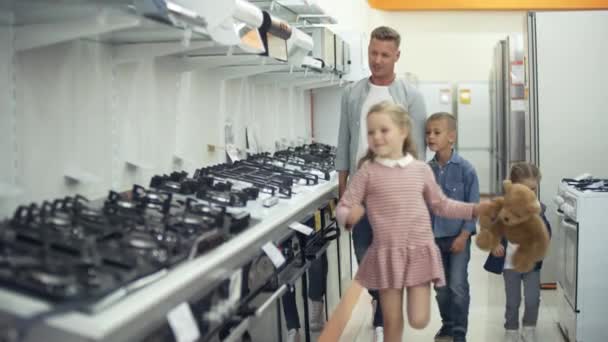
column 332, row 207
column 233, row 153
column 318, row 224
column 302, row 228
column 182, row 323
column 274, row 254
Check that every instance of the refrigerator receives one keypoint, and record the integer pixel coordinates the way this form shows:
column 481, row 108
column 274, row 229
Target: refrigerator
column 509, row 118
column 473, row 142
column 566, row 77
column 438, row 97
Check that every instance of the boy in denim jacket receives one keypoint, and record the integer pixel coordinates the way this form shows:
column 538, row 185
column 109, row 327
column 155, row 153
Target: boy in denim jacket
column 458, row 180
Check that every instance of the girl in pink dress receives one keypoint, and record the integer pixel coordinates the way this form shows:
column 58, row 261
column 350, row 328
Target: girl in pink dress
column 398, row 191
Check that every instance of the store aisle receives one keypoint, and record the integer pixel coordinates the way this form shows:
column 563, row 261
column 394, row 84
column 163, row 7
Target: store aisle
column 485, row 318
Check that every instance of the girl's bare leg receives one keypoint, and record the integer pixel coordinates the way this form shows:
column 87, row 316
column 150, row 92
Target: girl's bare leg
column 391, row 301
column 418, row 305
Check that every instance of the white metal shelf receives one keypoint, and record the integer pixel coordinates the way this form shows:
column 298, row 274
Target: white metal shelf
column 133, row 37
column 140, row 311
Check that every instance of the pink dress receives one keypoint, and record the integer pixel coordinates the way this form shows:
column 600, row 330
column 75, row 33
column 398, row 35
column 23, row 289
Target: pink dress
column 403, row 252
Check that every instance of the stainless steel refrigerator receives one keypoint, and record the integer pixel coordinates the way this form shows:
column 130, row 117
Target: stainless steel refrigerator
column 509, row 120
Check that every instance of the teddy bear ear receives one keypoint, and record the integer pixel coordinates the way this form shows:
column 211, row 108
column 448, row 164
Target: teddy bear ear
column 506, row 184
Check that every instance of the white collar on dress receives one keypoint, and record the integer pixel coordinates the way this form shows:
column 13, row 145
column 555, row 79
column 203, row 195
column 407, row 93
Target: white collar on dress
column 401, row 162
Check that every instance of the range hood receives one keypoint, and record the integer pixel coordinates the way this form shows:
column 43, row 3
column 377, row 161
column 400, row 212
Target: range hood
column 299, row 46
column 227, row 22
column 329, row 48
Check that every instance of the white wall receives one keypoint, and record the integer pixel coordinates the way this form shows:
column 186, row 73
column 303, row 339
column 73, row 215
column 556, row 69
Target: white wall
column 326, row 108
column 353, row 14
column 448, row 46
column 572, row 98
column 76, row 112
column 7, row 116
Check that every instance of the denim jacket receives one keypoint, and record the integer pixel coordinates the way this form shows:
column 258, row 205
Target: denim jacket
column 496, row 264
column 459, row 181
column 350, row 116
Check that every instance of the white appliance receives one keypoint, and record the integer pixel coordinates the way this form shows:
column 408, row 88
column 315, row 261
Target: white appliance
column 438, row 97
column 474, row 145
column 582, row 265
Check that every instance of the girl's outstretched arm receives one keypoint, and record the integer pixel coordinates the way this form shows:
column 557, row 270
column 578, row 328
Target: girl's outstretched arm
column 443, row 206
column 350, row 209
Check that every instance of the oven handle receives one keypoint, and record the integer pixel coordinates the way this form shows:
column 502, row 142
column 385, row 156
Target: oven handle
column 238, row 332
column 278, row 293
column 566, row 223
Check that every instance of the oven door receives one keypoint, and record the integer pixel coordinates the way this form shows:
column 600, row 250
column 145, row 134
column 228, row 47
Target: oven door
column 570, row 261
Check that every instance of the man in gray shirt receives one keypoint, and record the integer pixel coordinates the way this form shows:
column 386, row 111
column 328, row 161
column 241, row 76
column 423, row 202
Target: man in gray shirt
column 357, row 99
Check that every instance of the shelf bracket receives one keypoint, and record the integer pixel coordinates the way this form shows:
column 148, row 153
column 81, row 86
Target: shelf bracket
column 133, row 52
column 138, row 164
column 80, row 176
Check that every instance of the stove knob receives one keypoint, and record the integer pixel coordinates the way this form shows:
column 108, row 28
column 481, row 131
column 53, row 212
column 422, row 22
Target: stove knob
column 559, row 200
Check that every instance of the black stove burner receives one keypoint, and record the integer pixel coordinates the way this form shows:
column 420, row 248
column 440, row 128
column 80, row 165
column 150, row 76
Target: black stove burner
column 210, row 215
column 588, row 184
column 46, row 278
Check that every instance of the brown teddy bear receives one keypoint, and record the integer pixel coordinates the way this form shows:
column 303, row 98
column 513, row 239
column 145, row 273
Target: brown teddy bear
column 514, row 216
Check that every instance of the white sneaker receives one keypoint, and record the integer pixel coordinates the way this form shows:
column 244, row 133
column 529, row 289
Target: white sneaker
column 379, row 334
column 293, row 335
column 511, row 335
column 316, row 315
column 528, row 334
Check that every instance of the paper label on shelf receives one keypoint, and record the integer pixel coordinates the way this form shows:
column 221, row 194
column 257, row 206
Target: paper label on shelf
column 332, row 207
column 182, row 323
column 236, row 280
column 302, row 228
column 233, row 153
column 275, row 255
column 318, row 220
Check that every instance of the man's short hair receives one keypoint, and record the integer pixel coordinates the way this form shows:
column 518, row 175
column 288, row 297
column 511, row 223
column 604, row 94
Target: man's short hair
column 387, row 34
column 449, row 118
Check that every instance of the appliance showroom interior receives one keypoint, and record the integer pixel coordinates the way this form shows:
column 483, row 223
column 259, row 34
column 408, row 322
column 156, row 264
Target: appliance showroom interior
column 169, row 166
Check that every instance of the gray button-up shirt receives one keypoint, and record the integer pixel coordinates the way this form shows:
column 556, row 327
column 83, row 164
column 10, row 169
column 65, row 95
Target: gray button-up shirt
column 350, row 119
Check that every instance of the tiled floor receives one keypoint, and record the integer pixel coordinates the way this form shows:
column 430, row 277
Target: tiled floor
column 485, row 317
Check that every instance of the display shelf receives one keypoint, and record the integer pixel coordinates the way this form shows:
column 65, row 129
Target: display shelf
column 133, row 37
column 139, row 312
column 77, row 175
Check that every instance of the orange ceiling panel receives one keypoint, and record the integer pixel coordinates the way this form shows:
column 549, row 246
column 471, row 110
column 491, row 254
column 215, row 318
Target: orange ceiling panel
column 489, row 5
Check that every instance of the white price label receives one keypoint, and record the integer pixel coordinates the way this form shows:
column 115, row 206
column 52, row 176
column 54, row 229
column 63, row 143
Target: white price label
column 183, row 324
column 302, row 228
column 233, row 153
column 274, row 254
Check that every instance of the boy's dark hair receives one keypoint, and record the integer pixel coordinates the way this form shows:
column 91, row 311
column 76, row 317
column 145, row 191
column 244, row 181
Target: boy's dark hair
column 524, row 170
column 451, row 119
column 387, row 34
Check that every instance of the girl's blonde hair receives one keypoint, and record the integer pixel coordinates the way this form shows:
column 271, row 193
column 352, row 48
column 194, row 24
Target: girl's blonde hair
column 523, row 170
column 402, row 119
